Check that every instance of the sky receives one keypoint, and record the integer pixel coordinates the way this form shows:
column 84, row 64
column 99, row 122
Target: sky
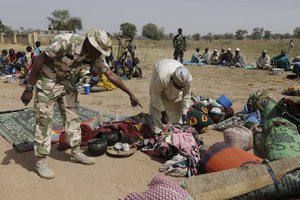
column 193, row 16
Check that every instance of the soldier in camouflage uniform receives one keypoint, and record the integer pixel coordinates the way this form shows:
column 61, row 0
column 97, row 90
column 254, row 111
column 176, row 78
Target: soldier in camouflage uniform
column 54, row 74
column 123, row 51
column 179, row 43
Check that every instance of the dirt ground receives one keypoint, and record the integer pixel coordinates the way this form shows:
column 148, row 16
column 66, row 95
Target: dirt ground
column 113, row 178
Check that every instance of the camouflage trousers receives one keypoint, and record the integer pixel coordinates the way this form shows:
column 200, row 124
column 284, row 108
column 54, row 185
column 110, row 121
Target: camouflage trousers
column 178, row 53
column 48, row 92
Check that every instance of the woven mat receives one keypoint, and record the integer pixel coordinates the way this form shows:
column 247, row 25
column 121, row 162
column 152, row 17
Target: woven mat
column 235, row 182
column 17, row 126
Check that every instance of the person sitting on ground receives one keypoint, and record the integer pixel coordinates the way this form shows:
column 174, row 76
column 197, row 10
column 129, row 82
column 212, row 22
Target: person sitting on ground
column 221, row 54
column 196, row 56
column 281, row 61
column 295, row 70
column 95, row 81
column 206, row 56
column 11, row 61
column 131, row 48
column 29, row 54
column 214, row 59
column 263, row 62
column 38, row 49
column 136, row 70
column 238, row 59
column 21, row 62
column 170, row 90
column 3, row 62
column 227, row 57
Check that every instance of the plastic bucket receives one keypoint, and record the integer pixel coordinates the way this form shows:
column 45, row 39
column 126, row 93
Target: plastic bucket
column 87, row 89
column 224, row 101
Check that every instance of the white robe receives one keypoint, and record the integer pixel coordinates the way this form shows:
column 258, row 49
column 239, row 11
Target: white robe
column 165, row 97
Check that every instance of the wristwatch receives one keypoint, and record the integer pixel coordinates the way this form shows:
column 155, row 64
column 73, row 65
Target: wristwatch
column 28, row 88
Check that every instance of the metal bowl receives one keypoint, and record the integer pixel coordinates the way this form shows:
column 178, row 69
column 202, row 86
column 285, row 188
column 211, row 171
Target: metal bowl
column 112, row 137
column 97, row 146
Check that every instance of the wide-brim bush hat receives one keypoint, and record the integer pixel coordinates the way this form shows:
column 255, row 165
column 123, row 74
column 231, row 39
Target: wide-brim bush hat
column 99, row 40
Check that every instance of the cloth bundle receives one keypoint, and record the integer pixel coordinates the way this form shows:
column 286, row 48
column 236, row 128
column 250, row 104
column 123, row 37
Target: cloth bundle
column 197, row 117
column 161, row 188
column 221, row 156
column 259, row 99
column 280, row 137
column 239, row 137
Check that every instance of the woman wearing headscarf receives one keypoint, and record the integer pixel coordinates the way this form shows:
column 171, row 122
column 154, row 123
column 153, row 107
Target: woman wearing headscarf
column 170, row 91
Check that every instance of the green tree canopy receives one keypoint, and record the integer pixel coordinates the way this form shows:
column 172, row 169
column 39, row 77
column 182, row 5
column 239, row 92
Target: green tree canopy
column 240, row 34
column 257, row 33
column 196, row 36
column 267, row 35
column 297, row 32
column 128, row 29
column 5, row 29
column 62, row 20
column 151, row 31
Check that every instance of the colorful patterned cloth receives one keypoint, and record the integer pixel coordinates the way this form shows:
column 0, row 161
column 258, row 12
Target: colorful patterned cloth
column 161, row 188
column 197, row 117
column 239, row 136
column 281, row 138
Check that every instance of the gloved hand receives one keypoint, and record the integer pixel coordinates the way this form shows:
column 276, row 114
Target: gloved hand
column 164, row 117
column 184, row 119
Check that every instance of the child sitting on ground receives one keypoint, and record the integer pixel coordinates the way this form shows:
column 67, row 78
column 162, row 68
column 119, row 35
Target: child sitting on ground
column 135, row 71
column 3, row 62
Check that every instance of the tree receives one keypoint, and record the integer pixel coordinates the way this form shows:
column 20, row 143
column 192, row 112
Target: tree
column 209, row 36
column 170, row 36
column 196, row 36
column 62, row 20
column 287, row 36
column 128, row 29
column 74, row 24
column 267, row 35
column 277, row 36
column 228, row 36
column 257, row 33
column 240, row 34
column 5, row 29
column 151, row 31
column 297, row 32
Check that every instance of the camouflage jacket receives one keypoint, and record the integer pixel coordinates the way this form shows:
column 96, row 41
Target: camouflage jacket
column 68, row 59
column 179, row 42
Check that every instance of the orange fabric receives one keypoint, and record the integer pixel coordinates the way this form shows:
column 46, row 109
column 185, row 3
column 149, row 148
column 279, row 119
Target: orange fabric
column 231, row 157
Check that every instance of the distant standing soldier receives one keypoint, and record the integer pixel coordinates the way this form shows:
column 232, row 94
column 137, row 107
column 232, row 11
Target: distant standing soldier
column 291, row 45
column 179, row 43
column 123, row 43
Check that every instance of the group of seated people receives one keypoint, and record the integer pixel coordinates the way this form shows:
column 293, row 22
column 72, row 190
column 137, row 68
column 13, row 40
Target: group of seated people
column 126, row 62
column 20, row 62
column 223, row 58
column 237, row 60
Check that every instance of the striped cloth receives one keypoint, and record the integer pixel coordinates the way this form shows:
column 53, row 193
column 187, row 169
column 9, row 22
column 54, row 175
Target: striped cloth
column 239, row 136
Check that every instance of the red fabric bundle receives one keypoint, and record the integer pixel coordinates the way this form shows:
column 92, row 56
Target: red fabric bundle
column 131, row 130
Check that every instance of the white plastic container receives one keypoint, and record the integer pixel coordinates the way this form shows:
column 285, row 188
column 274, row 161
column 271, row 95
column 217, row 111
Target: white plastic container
column 277, row 71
